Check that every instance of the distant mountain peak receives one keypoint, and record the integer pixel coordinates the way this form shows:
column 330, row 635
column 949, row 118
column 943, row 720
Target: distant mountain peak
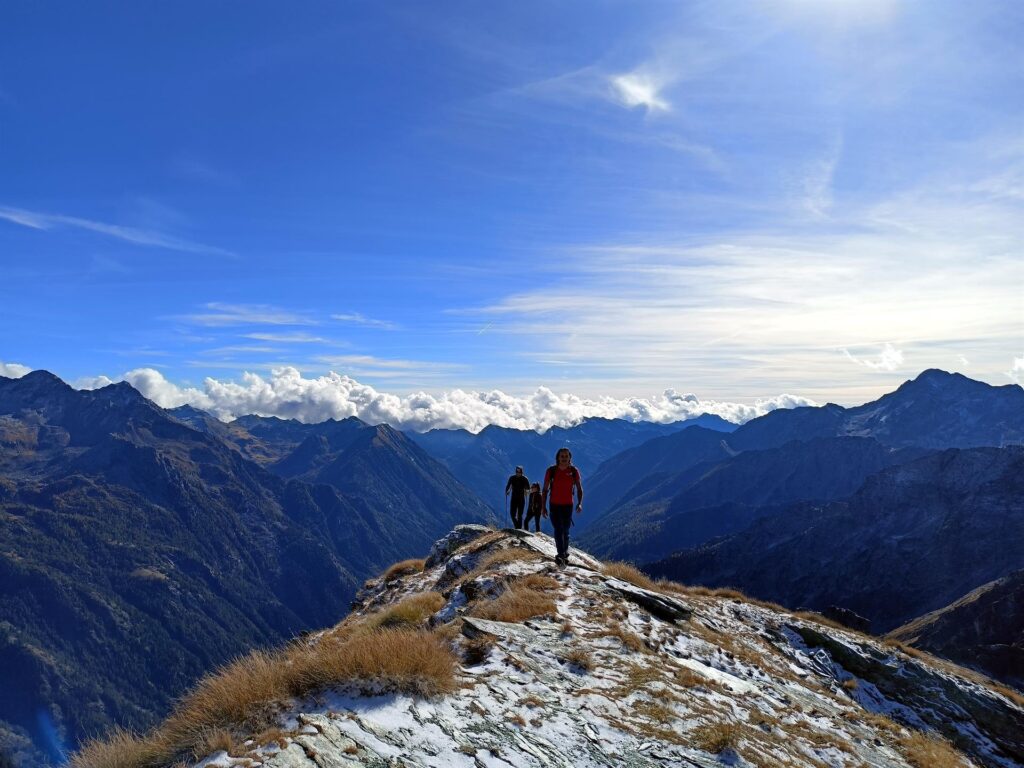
column 122, row 391
column 40, row 380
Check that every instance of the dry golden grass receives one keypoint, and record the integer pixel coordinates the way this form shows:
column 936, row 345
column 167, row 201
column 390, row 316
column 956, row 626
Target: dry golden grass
column 221, row 739
column 647, row 730
column 122, row 749
column 410, row 660
column 716, row 737
column 667, row 585
column 413, row 611
column 515, row 604
column 404, row 568
column 538, row 582
column 818, row 618
column 880, row 722
column 532, row 701
column 629, row 640
column 851, row 684
column 687, row 678
column 927, row 751
column 656, row 711
column 414, row 661
column 580, row 658
column 639, row 675
column 630, row 573
column 726, row 592
column 273, row 734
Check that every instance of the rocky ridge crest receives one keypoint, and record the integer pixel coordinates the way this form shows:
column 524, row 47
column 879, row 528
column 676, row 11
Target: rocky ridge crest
column 622, row 671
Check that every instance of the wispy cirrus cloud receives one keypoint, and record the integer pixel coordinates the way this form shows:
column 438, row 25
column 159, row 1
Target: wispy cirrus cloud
column 389, row 368
column 146, row 237
column 222, row 314
column 932, row 266
column 357, row 318
column 888, row 359
column 288, row 338
column 239, row 349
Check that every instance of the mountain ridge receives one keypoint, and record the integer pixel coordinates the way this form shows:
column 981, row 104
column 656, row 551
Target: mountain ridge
column 510, row 660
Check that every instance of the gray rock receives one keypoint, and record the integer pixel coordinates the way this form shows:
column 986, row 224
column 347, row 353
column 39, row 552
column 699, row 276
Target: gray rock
column 458, row 537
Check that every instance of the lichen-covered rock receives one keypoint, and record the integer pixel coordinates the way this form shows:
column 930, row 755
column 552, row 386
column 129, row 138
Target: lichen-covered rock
column 459, row 536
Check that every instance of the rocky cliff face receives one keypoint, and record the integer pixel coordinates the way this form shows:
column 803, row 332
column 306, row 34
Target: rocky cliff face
column 592, row 665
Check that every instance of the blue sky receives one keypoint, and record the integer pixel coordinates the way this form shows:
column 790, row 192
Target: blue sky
column 735, row 199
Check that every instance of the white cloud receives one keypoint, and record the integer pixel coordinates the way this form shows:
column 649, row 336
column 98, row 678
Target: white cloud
column 1016, row 372
column 13, row 370
column 889, row 359
column 47, row 221
column 287, row 394
column 639, row 89
column 222, row 314
column 151, row 383
column 359, row 319
column 92, row 382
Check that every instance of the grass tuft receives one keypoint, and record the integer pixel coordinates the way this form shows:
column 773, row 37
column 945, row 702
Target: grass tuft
column 927, row 751
column 715, row 738
column 538, row 582
column 409, row 660
column 404, row 568
column 629, row 572
column 514, row 605
column 413, row 611
column 630, row 641
column 581, row 658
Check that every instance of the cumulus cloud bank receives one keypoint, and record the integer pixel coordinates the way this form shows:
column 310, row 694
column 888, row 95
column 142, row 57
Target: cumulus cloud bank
column 287, row 394
column 13, row 370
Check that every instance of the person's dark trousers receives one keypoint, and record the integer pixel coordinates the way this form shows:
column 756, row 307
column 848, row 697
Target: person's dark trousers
column 531, row 516
column 517, row 510
column 561, row 519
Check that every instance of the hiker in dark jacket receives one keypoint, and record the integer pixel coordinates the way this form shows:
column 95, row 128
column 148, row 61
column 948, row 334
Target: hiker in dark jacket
column 561, row 479
column 517, row 486
column 535, row 507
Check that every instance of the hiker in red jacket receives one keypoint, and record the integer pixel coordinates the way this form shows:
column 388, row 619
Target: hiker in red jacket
column 559, row 482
